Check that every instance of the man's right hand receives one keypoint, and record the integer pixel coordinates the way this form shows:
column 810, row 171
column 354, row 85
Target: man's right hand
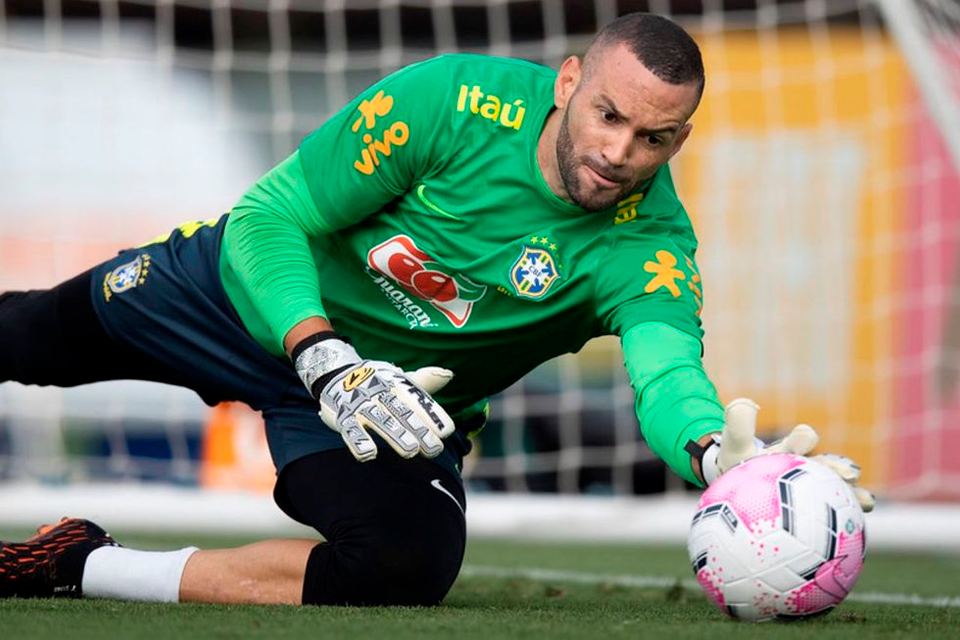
column 738, row 442
column 358, row 396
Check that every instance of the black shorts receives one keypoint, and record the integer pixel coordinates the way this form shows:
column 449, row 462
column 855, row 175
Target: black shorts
column 395, row 528
column 166, row 318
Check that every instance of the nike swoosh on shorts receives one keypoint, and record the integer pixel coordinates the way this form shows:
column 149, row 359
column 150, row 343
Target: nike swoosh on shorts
column 435, row 483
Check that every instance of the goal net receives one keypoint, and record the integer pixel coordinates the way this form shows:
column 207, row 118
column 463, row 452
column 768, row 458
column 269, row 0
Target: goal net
column 821, row 176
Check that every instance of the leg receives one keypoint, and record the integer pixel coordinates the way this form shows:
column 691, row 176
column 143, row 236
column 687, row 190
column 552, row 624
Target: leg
column 45, row 335
column 396, row 528
column 393, row 537
column 174, row 326
column 54, row 337
column 268, row 572
column 395, row 533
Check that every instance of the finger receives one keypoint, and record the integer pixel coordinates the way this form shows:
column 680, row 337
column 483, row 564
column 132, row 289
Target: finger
column 328, row 414
column 738, row 438
column 865, row 498
column 426, row 408
column 374, row 417
column 430, row 443
column 842, row 465
column 800, row 441
column 358, row 441
column 431, row 379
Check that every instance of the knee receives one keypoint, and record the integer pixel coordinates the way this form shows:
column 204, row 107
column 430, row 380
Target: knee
column 392, row 568
column 420, row 571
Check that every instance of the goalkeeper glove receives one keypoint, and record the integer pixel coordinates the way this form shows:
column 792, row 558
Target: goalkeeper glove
column 738, row 442
column 357, row 396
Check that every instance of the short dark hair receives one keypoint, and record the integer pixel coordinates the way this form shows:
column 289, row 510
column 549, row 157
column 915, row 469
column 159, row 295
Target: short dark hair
column 660, row 44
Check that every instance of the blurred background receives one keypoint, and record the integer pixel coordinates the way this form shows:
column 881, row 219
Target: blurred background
column 822, row 176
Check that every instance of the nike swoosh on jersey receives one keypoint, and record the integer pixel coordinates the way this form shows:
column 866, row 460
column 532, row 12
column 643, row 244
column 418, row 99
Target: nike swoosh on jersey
column 431, row 206
column 435, row 483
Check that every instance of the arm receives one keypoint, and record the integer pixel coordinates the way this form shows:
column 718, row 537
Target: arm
column 331, row 182
column 650, row 294
column 268, row 268
column 303, row 330
column 676, row 402
column 273, row 239
column 684, row 423
column 267, row 247
column 680, row 415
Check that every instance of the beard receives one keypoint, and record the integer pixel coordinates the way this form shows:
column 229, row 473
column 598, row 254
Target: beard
column 569, row 164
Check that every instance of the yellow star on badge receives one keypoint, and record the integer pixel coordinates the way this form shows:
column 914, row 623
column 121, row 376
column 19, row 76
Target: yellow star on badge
column 534, row 239
column 544, row 241
column 553, row 247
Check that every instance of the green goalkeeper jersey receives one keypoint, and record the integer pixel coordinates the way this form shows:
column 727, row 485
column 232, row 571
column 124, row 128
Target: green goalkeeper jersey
column 418, row 222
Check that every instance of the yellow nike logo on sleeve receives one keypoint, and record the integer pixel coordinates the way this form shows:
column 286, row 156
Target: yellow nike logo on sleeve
column 432, row 207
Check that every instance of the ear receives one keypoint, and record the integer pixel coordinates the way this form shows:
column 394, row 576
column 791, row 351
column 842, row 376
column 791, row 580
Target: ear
column 682, row 136
column 568, row 79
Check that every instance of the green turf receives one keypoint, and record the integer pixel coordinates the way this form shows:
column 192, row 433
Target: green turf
column 490, row 608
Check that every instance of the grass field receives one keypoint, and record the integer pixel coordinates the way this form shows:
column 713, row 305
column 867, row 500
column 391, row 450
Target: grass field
column 524, row 590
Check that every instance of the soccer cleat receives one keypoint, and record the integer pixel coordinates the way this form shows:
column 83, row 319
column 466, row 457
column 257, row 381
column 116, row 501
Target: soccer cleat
column 50, row 564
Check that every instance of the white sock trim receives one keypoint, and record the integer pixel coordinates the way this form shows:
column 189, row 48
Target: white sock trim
column 128, row 574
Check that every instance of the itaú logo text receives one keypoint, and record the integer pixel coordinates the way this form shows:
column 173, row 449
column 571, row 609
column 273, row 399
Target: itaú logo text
column 402, row 261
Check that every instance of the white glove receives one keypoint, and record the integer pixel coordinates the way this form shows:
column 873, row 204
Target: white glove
column 356, row 395
column 738, row 442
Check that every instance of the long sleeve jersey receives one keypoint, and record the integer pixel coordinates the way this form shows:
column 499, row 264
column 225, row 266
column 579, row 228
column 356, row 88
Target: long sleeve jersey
column 418, row 222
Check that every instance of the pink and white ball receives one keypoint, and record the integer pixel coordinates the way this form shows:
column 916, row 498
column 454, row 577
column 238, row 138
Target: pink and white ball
column 777, row 537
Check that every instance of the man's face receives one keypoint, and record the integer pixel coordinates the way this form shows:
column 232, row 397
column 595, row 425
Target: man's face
column 620, row 124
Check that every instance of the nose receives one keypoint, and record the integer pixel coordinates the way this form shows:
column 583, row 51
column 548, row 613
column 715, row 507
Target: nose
column 617, row 148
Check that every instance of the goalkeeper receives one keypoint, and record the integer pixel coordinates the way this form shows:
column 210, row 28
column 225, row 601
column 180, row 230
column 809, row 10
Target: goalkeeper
column 455, row 225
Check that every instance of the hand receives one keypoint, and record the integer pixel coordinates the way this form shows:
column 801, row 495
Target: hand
column 738, row 442
column 359, row 395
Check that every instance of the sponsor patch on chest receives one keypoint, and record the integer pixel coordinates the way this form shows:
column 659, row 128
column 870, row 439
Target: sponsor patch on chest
column 399, row 260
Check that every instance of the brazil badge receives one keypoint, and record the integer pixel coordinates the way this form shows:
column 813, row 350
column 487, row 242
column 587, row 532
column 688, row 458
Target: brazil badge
column 126, row 276
column 534, row 272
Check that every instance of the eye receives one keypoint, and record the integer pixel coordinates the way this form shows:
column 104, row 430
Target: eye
column 608, row 116
column 654, row 141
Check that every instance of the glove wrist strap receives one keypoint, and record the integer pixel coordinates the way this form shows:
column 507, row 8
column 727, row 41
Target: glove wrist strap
column 323, row 356
column 708, row 464
column 706, row 456
column 313, row 339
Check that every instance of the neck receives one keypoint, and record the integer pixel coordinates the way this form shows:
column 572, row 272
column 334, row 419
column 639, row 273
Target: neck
column 547, row 155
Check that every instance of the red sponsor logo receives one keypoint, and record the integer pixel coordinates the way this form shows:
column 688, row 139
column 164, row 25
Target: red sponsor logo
column 401, row 260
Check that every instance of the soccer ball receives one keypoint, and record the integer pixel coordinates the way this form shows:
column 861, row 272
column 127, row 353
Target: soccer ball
column 777, row 537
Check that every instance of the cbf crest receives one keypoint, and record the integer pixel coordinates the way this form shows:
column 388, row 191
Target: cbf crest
column 126, row 276
column 535, row 271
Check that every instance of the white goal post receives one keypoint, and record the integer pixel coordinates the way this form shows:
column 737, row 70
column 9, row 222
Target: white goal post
column 928, row 32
